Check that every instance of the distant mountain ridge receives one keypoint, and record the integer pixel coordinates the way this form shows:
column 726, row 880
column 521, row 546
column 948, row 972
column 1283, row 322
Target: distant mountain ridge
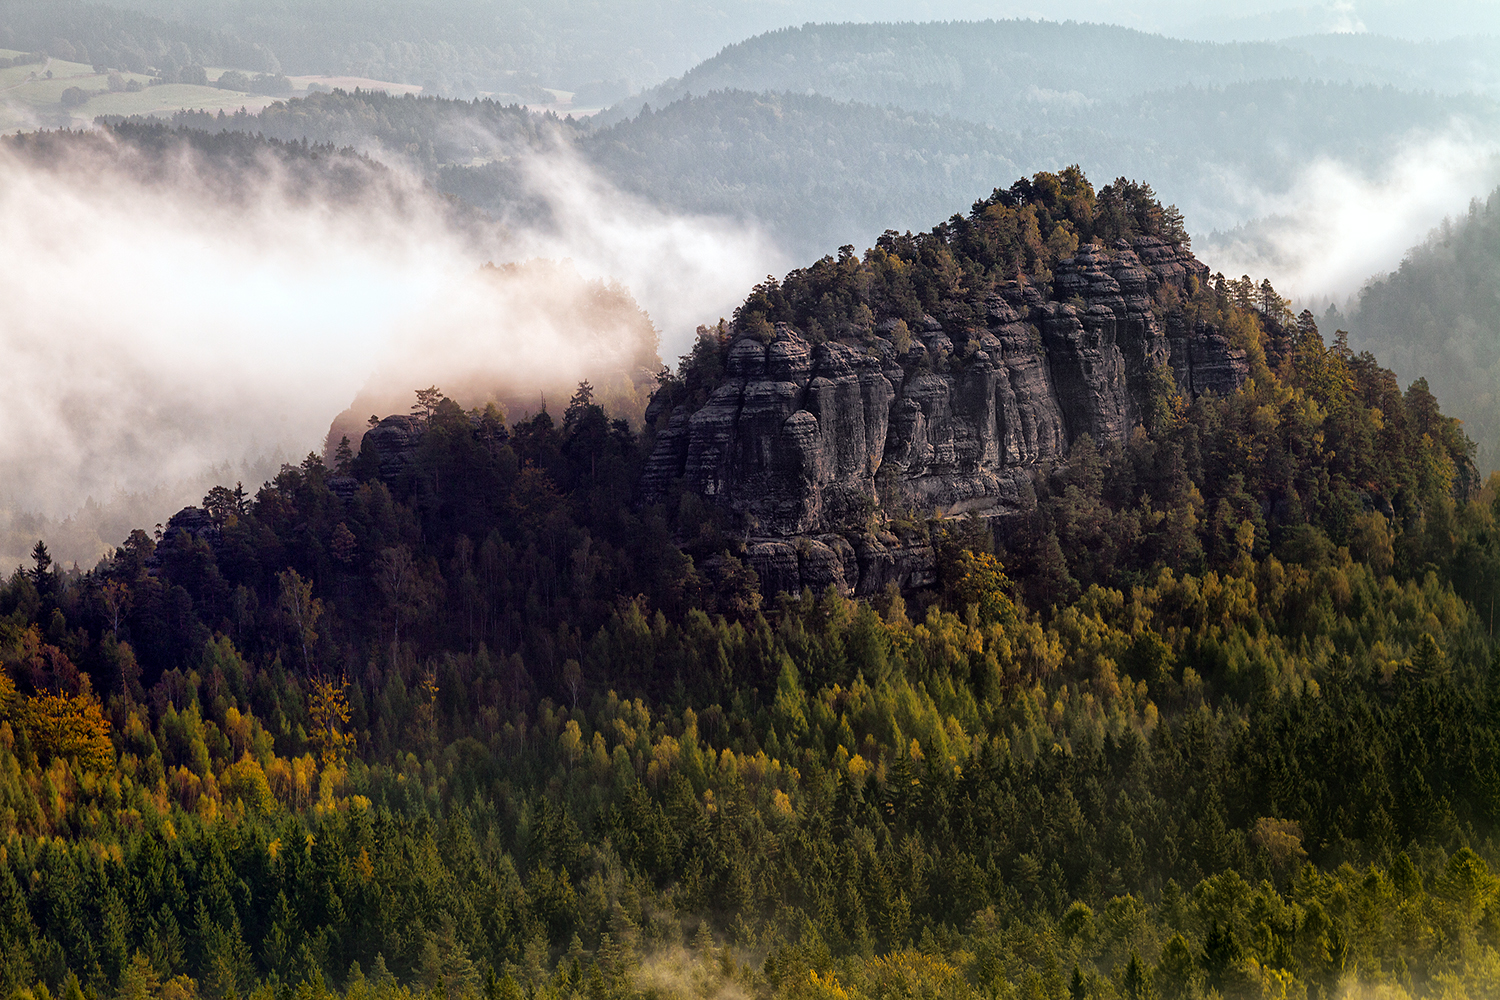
column 818, row 172
column 1018, row 73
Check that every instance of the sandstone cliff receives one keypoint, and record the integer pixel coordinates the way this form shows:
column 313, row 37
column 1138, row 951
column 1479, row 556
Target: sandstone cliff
column 801, row 442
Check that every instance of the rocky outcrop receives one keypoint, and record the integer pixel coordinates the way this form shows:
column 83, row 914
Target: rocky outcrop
column 192, row 521
column 804, row 441
column 856, row 562
column 392, row 445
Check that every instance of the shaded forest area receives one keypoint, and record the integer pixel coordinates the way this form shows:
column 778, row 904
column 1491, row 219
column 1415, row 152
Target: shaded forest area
column 1220, row 720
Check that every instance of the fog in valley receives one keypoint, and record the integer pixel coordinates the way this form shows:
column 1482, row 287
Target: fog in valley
column 166, row 323
column 1335, row 226
column 666, row 157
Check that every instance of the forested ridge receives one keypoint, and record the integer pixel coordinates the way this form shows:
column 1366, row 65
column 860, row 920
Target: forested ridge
column 1219, row 719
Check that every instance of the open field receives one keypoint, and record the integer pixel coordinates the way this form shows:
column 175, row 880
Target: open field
column 31, row 99
column 166, row 99
column 31, row 96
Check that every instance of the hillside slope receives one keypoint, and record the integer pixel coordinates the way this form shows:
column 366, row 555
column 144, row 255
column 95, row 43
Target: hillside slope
column 1437, row 317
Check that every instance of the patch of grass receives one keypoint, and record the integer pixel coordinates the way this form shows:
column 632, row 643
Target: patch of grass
column 28, row 99
column 169, row 98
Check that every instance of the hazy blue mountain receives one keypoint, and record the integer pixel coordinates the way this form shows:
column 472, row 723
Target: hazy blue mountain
column 1469, row 62
column 605, row 50
column 1017, row 74
column 822, row 173
column 819, row 173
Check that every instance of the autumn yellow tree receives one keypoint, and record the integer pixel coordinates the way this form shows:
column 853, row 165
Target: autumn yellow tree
column 328, row 709
column 68, row 727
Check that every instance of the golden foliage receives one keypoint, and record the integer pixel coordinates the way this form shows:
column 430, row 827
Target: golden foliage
column 68, row 727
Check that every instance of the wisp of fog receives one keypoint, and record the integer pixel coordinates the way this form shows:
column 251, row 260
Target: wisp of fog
column 155, row 326
column 1336, row 226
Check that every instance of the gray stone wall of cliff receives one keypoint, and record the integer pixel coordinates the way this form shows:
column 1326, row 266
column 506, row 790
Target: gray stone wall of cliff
column 802, row 442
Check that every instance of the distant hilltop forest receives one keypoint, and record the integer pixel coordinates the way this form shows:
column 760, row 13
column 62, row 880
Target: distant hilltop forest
column 459, row 711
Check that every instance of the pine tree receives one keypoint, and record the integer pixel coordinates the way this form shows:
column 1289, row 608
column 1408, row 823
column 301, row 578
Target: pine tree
column 41, row 573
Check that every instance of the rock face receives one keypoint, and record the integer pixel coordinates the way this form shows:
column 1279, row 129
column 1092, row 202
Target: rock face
column 804, row 441
column 394, row 442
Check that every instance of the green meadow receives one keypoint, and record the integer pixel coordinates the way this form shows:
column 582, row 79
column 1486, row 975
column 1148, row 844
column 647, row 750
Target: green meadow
column 30, row 98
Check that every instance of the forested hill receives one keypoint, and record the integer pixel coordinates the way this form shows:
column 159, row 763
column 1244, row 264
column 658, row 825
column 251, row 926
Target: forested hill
column 1023, row 73
column 1436, row 317
column 431, row 131
column 478, row 723
column 876, row 168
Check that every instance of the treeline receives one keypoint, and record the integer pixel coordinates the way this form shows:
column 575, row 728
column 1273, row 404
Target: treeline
column 238, row 166
column 954, row 269
column 461, row 718
column 24, row 59
column 430, row 131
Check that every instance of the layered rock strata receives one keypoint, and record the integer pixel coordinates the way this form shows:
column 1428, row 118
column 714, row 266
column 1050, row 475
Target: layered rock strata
column 804, row 442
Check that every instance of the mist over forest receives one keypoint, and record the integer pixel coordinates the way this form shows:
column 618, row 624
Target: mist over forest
column 782, row 501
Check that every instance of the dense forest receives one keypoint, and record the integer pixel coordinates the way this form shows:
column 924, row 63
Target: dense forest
column 1436, row 317
column 1219, row 720
column 123, row 39
column 428, row 132
column 150, row 151
column 239, row 168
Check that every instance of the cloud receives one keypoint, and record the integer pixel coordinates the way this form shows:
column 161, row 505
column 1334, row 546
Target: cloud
column 1344, row 18
column 1337, row 226
column 676, row 265
column 159, row 316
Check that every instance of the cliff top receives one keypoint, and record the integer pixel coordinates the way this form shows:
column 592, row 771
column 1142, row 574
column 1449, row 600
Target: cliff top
column 1050, row 237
